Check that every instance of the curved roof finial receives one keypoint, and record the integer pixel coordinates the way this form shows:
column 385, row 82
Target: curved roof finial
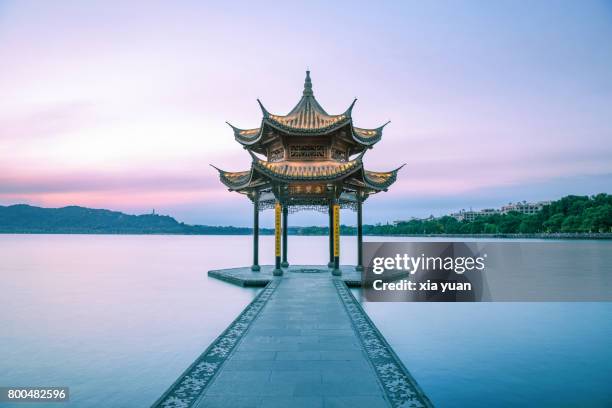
column 263, row 109
column 233, row 127
column 399, row 168
column 307, row 85
column 349, row 111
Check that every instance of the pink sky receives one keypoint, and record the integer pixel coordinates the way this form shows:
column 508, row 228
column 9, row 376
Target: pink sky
column 123, row 107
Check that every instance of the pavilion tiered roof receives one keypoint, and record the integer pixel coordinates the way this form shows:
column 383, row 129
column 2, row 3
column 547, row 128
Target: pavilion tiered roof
column 329, row 154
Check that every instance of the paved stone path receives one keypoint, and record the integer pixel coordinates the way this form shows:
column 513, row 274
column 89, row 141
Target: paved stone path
column 303, row 342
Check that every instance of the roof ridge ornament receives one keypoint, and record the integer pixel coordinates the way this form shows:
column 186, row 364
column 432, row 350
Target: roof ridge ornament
column 308, row 85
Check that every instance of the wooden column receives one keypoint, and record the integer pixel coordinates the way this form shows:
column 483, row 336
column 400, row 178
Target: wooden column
column 330, row 264
column 336, row 212
column 359, row 266
column 255, row 267
column 277, row 240
column 285, row 264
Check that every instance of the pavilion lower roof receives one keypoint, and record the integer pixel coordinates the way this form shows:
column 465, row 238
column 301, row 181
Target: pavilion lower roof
column 264, row 173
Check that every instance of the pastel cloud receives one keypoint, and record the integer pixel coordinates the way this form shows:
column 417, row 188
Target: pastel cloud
column 123, row 105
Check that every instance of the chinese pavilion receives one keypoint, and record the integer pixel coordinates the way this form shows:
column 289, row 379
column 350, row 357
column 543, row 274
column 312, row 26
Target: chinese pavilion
column 313, row 160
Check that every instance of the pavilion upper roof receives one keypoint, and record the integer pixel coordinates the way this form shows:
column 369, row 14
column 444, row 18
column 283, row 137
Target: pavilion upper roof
column 308, row 114
column 308, row 118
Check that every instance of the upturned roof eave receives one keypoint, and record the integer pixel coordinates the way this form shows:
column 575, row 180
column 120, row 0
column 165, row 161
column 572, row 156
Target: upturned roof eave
column 359, row 140
column 362, row 179
column 378, row 132
column 232, row 186
column 381, row 186
column 243, row 140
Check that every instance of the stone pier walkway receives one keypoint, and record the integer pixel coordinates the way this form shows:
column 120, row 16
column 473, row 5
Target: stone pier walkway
column 303, row 342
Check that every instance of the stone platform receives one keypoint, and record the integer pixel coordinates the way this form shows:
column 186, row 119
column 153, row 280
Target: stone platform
column 304, row 341
column 244, row 276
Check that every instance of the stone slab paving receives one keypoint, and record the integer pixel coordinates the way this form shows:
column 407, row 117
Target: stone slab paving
column 304, row 341
column 244, row 276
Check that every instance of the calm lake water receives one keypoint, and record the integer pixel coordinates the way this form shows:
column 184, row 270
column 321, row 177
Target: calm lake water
column 118, row 318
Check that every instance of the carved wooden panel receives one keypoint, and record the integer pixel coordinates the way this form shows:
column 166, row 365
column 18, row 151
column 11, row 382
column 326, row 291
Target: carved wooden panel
column 277, row 154
column 338, row 154
column 306, row 189
column 306, row 152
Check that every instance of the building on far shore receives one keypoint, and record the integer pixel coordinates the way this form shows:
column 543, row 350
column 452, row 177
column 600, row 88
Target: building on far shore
column 521, row 207
column 397, row 222
column 524, row 207
column 471, row 215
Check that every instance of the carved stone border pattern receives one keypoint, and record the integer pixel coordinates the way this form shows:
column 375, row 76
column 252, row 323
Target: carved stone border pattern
column 401, row 389
column 191, row 384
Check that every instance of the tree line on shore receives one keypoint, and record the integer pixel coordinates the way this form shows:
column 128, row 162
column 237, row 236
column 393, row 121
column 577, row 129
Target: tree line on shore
column 570, row 214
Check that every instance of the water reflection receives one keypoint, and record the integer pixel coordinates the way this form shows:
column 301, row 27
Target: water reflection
column 118, row 318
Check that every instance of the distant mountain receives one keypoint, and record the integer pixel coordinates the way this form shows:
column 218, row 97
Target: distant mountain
column 22, row 218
